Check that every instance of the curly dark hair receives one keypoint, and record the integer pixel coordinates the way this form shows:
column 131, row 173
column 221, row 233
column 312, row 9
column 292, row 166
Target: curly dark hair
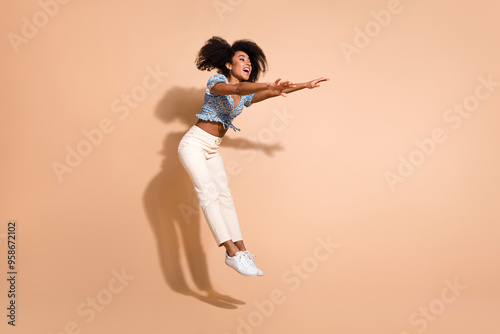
column 217, row 52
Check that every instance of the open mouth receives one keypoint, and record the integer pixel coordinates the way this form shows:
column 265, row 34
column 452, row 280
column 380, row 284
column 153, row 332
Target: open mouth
column 246, row 70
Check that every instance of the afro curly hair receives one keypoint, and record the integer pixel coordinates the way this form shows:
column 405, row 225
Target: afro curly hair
column 216, row 52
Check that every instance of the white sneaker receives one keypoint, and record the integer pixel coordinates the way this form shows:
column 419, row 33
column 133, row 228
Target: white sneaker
column 241, row 263
column 250, row 257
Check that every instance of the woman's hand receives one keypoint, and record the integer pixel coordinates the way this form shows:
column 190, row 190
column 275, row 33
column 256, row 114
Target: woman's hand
column 283, row 88
column 278, row 87
column 315, row 83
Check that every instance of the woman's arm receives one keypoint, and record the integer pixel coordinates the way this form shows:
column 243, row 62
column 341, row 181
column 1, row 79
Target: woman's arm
column 262, row 95
column 247, row 88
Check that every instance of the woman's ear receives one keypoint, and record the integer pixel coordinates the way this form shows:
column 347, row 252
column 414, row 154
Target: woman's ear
column 229, row 66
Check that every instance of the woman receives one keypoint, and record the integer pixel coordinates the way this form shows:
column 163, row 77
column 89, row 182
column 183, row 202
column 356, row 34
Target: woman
column 238, row 66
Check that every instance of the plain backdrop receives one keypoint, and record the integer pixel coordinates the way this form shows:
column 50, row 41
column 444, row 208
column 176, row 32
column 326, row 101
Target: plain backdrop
column 371, row 202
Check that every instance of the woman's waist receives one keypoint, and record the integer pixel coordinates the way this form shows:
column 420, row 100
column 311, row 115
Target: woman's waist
column 213, row 128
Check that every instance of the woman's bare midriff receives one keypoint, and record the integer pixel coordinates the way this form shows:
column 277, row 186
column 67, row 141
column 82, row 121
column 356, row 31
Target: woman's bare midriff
column 214, row 128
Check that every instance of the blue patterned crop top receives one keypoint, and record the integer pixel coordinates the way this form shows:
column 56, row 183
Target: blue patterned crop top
column 220, row 108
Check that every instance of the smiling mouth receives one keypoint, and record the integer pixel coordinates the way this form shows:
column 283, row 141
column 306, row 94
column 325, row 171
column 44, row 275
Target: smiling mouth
column 246, row 70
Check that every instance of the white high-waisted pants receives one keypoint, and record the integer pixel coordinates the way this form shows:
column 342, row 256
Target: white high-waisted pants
column 199, row 154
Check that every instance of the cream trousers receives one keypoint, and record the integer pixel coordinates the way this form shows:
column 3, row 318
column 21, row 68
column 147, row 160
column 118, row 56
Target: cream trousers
column 199, row 154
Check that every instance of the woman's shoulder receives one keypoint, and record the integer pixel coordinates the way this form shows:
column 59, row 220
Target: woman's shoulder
column 217, row 78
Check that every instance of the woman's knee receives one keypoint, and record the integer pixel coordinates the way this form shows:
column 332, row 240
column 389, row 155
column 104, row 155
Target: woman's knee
column 207, row 194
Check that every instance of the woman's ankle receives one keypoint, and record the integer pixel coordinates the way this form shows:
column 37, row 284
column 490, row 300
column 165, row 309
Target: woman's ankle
column 231, row 248
column 240, row 245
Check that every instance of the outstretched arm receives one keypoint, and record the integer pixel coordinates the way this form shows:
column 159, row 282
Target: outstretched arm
column 247, row 88
column 262, row 95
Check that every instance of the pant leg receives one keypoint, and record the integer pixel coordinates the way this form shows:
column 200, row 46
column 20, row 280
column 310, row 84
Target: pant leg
column 216, row 165
column 192, row 155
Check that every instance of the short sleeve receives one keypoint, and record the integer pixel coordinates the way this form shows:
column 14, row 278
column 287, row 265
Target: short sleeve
column 215, row 79
column 248, row 100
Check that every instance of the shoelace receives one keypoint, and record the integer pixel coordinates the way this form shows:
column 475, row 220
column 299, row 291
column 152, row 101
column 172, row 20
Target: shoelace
column 249, row 255
column 243, row 258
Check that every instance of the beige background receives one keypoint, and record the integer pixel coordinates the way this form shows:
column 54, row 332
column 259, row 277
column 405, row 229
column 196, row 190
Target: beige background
column 318, row 174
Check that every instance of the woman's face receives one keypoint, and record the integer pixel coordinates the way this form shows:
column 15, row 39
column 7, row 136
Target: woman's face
column 241, row 66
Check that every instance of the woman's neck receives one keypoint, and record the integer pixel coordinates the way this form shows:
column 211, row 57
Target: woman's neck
column 233, row 80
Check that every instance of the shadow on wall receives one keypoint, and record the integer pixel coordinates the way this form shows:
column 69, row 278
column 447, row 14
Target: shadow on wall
column 172, row 207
